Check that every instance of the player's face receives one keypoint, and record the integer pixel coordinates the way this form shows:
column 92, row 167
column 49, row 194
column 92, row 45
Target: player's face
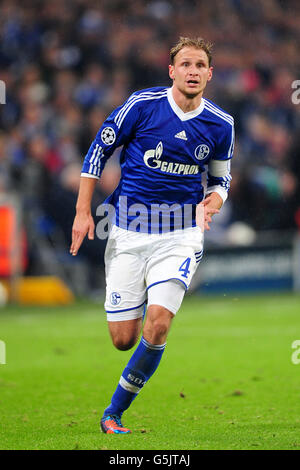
column 190, row 71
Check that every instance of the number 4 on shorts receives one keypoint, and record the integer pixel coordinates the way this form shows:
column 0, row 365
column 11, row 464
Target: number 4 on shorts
column 184, row 268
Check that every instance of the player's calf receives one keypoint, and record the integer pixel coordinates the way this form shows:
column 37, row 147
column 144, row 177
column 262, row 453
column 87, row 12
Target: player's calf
column 157, row 324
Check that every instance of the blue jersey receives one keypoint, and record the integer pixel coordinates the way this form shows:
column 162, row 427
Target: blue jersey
column 165, row 151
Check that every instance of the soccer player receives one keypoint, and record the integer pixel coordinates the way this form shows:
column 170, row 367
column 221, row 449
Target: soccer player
column 169, row 137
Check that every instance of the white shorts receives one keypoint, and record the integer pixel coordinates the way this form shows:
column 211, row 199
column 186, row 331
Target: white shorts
column 135, row 262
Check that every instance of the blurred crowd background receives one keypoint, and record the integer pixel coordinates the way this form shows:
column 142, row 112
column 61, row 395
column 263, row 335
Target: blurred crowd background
column 68, row 63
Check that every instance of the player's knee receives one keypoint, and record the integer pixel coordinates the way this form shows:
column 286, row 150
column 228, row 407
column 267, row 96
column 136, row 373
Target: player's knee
column 123, row 343
column 125, row 334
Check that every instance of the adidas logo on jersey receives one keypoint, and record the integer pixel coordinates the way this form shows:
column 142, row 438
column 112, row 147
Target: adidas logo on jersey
column 181, row 135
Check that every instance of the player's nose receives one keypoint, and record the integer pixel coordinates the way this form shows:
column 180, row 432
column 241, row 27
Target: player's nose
column 193, row 71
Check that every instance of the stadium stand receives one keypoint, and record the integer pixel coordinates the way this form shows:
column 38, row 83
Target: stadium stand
column 66, row 65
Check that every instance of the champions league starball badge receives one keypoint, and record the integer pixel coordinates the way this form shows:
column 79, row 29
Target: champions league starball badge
column 108, row 136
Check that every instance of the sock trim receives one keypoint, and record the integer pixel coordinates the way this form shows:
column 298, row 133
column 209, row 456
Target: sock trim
column 154, row 347
column 128, row 386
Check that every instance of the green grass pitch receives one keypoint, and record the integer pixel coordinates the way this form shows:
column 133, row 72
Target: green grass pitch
column 226, row 380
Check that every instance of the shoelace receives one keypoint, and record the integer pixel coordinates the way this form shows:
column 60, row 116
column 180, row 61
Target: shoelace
column 117, row 419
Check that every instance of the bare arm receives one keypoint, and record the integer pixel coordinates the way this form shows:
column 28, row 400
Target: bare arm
column 83, row 222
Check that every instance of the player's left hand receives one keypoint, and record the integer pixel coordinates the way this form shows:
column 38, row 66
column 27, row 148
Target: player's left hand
column 206, row 209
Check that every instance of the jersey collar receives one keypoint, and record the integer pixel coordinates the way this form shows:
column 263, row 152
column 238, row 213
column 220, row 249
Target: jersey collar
column 178, row 111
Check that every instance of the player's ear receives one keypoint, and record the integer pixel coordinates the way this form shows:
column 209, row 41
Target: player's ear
column 210, row 74
column 171, row 72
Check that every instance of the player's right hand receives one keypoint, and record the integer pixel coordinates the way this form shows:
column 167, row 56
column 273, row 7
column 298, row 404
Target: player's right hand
column 83, row 224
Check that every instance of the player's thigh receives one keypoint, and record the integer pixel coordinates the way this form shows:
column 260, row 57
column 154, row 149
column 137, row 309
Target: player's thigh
column 168, row 295
column 125, row 286
column 176, row 257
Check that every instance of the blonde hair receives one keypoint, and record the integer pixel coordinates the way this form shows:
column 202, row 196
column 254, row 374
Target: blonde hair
column 197, row 43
